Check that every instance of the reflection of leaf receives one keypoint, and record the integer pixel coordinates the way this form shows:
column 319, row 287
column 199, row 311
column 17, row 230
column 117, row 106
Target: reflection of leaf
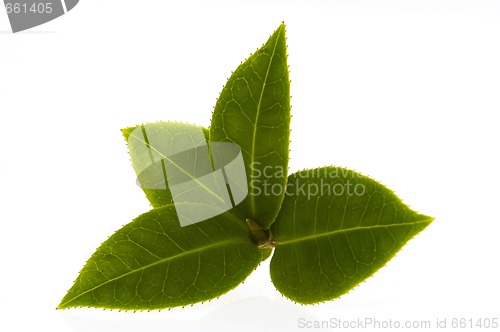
column 147, row 167
column 335, row 229
column 253, row 111
column 153, row 263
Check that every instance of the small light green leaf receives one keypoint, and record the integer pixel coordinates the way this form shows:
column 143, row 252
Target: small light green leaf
column 149, row 166
column 153, row 263
column 336, row 228
column 253, row 111
column 175, row 164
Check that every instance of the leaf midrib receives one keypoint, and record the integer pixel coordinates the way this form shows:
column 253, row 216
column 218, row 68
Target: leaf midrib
column 210, row 246
column 347, row 230
column 252, row 155
column 145, row 141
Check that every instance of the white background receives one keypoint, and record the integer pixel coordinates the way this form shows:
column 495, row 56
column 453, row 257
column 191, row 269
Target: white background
column 406, row 92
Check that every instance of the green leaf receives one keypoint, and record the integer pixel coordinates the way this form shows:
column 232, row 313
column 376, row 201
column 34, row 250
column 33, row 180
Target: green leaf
column 153, row 263
column 336, row 228
column 220, row 208
column 149, row 165
column 253, row 111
